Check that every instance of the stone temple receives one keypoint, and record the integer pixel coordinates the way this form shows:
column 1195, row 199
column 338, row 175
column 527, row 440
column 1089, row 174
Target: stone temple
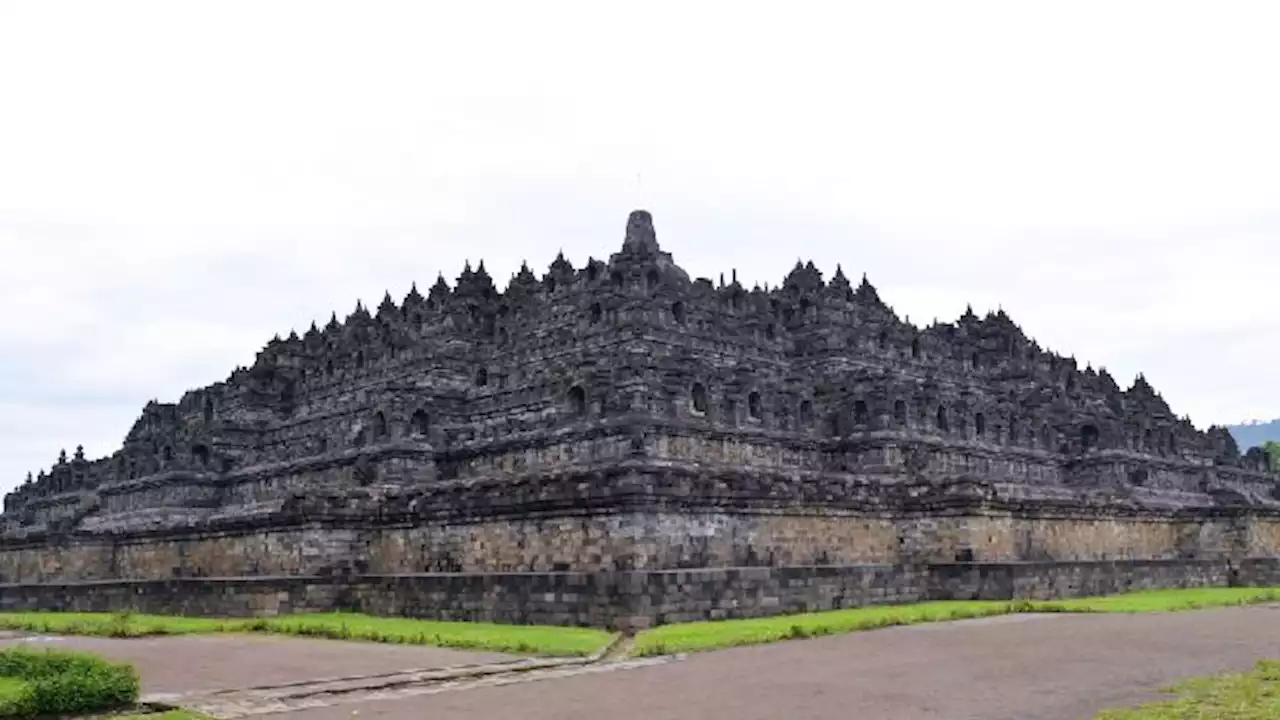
column 620, row 445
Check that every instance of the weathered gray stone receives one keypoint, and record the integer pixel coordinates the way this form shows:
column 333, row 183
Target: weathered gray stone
column 623, row 418
column 638, row 598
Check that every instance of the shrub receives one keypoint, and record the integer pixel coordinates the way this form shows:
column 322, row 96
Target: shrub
column 120, row 624
column 16, row 699
column 58, row 682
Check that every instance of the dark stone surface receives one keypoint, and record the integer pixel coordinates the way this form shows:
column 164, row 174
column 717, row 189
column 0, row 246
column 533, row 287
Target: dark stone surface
column 624, row 418
column 1256, row 572
column 673, row 596
column 633, row 598
column 1052, row 580
column 633, row 360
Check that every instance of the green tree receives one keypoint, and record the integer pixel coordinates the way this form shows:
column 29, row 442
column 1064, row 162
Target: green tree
column 1273, row 449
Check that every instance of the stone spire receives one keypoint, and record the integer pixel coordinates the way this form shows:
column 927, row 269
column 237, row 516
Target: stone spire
column 866, row 292
column 414, row 299
column 387, row 307
column 440, row 292
column 523, row 282
column 641, row 237
column 640, row 253
column 361, row 312
column 561, row 269
column 839, row 282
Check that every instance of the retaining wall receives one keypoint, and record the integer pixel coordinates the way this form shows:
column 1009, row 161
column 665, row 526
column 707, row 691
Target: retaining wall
column 633, row 598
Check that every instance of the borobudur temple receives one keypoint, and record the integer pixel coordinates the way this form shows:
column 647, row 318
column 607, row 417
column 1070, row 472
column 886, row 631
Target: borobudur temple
column 619, row 445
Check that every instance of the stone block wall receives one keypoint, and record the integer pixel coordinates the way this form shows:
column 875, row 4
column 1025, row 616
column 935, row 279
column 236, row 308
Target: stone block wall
column 1012, row 539
column 672, row 596
column 543, row 598
column 632, row 541
column 597, row 540
column 632, row 599
column 1264, row 537
column 1257, row 572
column 205, row 597
column 519, row 598
column 284, row 552
column 1054, row 580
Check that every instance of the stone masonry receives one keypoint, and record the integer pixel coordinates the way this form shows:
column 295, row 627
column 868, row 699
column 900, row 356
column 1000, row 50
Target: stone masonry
column 620, row 422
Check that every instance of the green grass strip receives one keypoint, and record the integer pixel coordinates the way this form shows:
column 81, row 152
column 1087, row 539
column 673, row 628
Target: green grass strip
column 550, row 641
column 1243, row 696
column 519, row 639
column 712, row 635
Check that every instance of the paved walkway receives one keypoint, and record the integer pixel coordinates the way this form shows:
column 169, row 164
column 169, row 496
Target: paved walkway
column 201, row 663
column 1015, row 668
column 1021, row 667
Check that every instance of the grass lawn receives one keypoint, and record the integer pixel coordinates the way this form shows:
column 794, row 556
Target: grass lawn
column 1245, row 696
column 1168, row 600
column 581, row 642
column 692, row 637
column 520, row 639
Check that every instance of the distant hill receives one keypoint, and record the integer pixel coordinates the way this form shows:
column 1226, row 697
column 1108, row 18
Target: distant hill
column 1255, row 434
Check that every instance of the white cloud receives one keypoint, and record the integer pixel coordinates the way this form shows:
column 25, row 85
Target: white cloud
column 178, row 184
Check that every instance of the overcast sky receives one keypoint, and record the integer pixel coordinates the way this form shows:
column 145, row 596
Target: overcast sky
column 181, row 181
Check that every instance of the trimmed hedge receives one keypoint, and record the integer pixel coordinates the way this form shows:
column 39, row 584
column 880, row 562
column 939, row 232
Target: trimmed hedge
column 59, row 682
